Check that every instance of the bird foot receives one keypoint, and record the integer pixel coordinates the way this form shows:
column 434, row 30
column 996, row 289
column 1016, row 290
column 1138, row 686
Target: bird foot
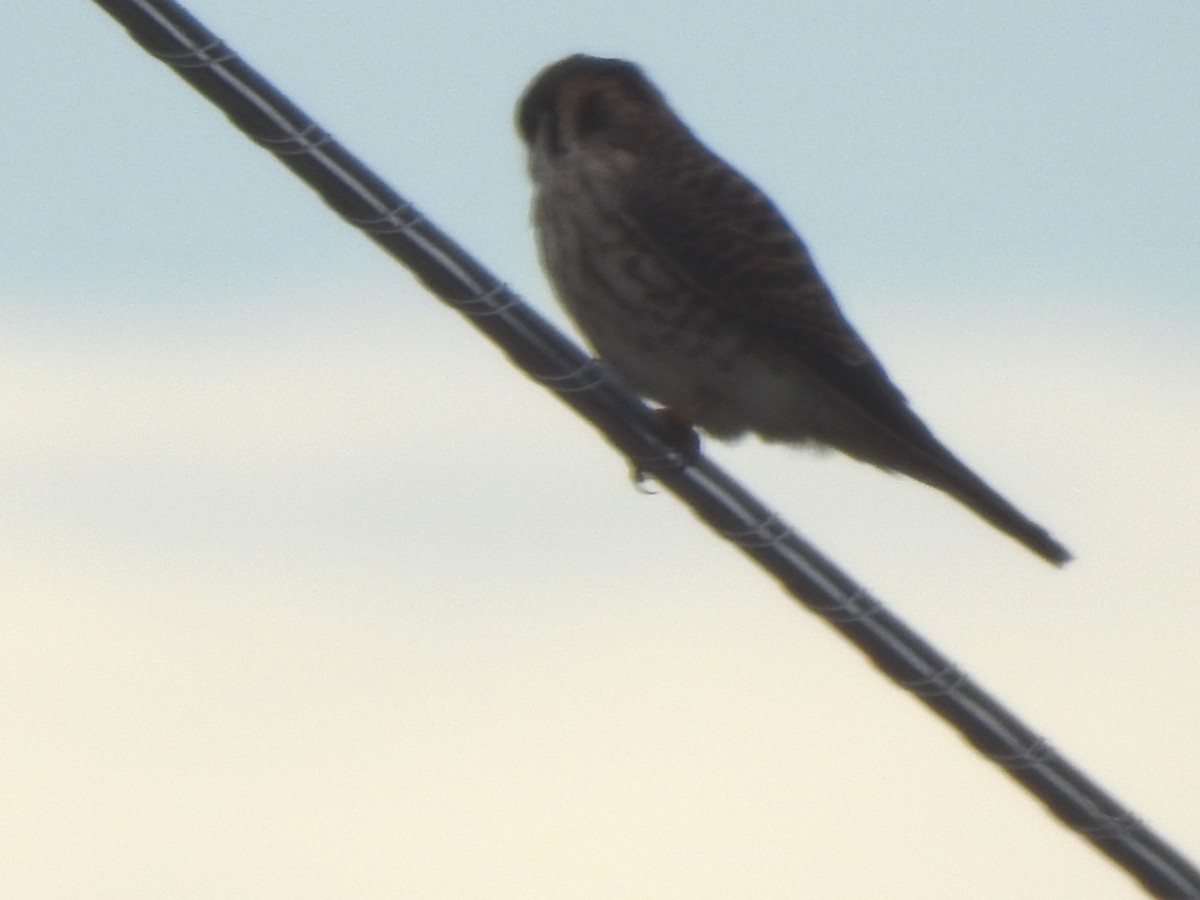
column 682, row 439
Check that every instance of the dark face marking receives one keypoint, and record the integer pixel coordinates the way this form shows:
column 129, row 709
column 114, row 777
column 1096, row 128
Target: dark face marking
column 593, row 115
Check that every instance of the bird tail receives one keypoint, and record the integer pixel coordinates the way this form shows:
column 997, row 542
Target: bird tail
column 955, row 479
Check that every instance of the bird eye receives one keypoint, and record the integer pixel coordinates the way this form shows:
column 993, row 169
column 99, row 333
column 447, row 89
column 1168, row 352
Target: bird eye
column 593, row 115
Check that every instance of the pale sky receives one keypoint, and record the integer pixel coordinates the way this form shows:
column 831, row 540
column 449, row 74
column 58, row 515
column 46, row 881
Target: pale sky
column 308, row 594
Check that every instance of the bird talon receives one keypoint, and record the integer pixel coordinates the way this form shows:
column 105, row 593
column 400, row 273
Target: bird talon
column 640, row 477
column 683, row 449
column 681, row 435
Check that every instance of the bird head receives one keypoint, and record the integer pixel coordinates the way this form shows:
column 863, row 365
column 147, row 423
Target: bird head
column 585, row 103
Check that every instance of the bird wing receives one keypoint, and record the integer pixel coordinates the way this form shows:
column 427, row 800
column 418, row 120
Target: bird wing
column 723, row 236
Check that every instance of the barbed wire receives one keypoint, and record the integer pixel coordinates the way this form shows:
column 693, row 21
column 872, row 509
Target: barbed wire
column 170, row 33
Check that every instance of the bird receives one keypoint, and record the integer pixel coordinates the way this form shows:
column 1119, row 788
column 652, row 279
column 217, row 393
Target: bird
column 691, row 285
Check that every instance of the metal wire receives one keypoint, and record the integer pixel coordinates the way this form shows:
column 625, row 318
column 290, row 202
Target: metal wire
column 170, row 33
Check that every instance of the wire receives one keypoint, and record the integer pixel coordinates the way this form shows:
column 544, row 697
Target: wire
column 170, row 33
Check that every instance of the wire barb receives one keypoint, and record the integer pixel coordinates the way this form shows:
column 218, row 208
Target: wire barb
column 212, row 54
column 942, row 682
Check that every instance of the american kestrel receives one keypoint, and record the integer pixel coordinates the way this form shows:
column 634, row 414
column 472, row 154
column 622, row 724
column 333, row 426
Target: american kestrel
column 692, row 286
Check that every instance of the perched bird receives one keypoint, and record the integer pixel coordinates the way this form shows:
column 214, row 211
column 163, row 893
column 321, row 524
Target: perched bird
column 692, row 286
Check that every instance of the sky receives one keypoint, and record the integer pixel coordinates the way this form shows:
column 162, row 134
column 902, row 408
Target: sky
column 308, row 593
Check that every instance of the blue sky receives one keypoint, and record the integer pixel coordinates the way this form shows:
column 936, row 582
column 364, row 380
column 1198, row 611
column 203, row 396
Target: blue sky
column 308, row 594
